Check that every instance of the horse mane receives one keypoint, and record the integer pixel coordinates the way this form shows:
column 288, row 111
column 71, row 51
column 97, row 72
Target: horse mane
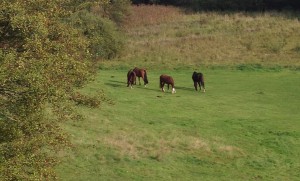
column 130, row 74
column 195, row 76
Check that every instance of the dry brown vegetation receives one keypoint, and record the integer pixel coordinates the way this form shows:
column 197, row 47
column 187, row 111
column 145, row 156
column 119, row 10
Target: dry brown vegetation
column 145, row 15
column 167, row 36
column 127, row 145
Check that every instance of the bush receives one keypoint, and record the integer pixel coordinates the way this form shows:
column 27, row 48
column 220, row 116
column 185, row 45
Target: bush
column 42, row 59
column 117, row 11
column 85, row 100
column 105, row 39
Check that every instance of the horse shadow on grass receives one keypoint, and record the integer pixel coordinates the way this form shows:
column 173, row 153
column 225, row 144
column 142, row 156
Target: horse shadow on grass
column 148, row 88
column 117, row 83
column 185, row 88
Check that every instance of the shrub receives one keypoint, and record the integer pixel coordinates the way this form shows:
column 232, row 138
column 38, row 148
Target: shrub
column 42, row 60
column 297, row 48
column 105, row 39
column 85, row 100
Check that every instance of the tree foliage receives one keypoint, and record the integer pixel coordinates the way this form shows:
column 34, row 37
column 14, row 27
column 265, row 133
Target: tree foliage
column 117, row 10
column 44, row 55
column 103, row 35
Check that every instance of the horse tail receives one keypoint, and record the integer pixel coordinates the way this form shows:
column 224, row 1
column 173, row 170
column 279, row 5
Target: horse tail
column 159, row 82
column 172, row 82
column 145, row 77
column 128, row 77
column 201, row 78
column 128, row 73
column 202, row 81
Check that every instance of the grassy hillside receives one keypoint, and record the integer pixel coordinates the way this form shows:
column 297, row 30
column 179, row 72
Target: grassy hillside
column 165, row 36
column 245, row 127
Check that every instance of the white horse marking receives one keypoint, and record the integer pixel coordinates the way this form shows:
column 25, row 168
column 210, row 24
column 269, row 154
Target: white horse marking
column 173, row 91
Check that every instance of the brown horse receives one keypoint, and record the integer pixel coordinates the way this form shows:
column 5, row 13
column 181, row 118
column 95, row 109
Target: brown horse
column 131, row 78
column 198, row 80
column 165, row 79
column 141, row 73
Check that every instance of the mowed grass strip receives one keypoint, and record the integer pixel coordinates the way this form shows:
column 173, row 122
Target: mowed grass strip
column 245, row 127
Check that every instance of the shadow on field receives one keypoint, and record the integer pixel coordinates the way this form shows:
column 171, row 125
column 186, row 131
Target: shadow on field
column 114, row 84
column 117, row 81
column 184, row 88
column 146, row 88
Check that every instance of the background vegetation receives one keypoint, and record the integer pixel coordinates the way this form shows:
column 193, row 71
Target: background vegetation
column 167, row 37
column 51, row 49
column 45, row 53
column 225, row 5
column 245, row 127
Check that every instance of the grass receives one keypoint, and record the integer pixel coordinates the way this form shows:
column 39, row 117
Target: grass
column 210, row 38
column 245, row 127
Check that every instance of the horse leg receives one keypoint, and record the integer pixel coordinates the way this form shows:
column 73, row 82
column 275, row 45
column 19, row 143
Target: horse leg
column 139, row 81
column 162, row 87
column 143, row 79
column 128, row 82
column 199, row 83
column 203, row 86
column 195, row 85
column 173, row 89
column 131, row 82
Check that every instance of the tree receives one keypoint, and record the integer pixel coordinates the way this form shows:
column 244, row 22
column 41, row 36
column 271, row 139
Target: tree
column 42, row 58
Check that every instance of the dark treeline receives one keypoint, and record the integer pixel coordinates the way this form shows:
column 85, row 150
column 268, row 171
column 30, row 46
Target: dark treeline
column 249, row 5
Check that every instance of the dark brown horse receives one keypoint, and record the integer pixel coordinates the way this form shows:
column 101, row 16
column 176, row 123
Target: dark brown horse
column 141, row 73
column 131, row 78
column 198, row 80
column 165, row 79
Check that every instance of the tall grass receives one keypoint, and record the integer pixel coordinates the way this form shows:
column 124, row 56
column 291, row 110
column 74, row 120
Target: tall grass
column 145, row 15
column 167, row 36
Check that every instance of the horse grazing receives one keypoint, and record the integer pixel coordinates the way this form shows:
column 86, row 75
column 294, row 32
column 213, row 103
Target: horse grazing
column 141, row 73
column 165, row 79
column 131, row 78
column 198, row 80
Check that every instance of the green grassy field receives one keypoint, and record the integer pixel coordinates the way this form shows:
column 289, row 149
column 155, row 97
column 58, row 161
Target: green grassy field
column 245, row 127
